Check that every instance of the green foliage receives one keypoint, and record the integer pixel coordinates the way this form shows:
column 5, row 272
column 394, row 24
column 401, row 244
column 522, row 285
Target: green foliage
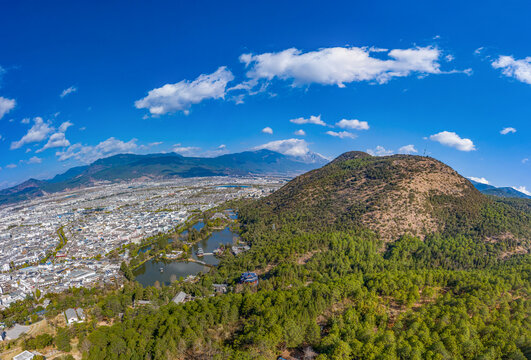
column 126, row 271
column 66, row 357
column 62, row 340
column 447, row 297
column 38, row 342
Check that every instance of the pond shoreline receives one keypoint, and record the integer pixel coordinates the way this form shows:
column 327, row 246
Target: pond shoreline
column 156, row 268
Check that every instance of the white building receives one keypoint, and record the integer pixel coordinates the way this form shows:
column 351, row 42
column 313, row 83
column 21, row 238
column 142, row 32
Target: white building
column 25, row 355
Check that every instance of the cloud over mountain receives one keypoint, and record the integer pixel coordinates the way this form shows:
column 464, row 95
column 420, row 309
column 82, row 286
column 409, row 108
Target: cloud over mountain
column 293, row 147
column 451, row 139
column 87, row 154
column 182, row 95
column 408, row 149
column 480, row 180
column 38, row 132
column 267, row 130
column 379, row 151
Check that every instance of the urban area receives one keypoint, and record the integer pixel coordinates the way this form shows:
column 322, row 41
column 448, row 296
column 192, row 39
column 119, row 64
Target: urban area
column 62, row 240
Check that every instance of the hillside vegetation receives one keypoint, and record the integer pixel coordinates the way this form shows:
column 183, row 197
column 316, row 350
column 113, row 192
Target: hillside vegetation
column 393, row 195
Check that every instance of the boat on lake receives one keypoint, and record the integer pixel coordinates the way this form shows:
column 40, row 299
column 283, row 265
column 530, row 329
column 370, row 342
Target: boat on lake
column 200, row 252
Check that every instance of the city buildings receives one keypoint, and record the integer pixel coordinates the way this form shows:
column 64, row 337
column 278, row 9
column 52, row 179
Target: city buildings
column 65, row 240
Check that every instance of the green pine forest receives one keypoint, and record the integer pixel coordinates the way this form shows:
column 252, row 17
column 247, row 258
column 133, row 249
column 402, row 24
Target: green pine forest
column 336, row 294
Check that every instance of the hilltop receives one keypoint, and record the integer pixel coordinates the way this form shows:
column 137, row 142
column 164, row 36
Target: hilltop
column 392, row 196
column 129, row 167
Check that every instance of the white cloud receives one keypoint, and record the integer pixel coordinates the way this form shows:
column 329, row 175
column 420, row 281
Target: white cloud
column 293, row 147
column 525, row 160
column 238, row 99
column 522, row 189
column 220, row 150
column 481, row 180
column 451, row 139
column 6, row 105
column 479, row 50
column 341, row 65
column 185, row 150
column 311, row 120
column 449, row 58
column 342, row 134
column 267, row 130
column 11, row 166
column 353, row 124
column 518, row 69
column 88, row 154
column 70, row 90
column 180, row 96
column 300, row 132
column 379, row 151
column 56, row 140
column 38, row 132
column 64, row 126
column 407, row 149
column 507, row 130
column 25, row 121
column 156, row 143
column 34, row 160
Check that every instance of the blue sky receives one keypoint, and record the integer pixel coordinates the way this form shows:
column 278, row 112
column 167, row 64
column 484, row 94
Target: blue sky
column 81, row 80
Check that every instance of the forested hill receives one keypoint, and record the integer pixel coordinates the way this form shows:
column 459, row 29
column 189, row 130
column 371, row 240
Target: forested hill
column 127, row 167
column 394, row 195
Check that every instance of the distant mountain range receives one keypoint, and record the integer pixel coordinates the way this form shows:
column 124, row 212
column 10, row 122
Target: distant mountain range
column 499, row 191
column 127, row 167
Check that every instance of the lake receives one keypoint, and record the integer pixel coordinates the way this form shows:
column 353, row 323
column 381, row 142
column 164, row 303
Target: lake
column 149, row 272
column 232, row 214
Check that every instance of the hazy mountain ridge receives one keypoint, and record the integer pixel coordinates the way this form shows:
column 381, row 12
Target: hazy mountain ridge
column 124, row 167
column 504, row 191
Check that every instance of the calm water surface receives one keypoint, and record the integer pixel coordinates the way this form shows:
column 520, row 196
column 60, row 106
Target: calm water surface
column 149, row 272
